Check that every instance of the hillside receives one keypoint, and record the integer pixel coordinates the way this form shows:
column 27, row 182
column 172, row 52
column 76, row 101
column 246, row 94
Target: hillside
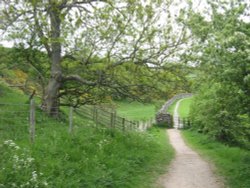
column 90, row 157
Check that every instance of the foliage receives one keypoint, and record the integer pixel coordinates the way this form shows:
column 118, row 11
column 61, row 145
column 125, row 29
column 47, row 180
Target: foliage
column 221, row 52
column 127, row 81
column 25, row 68
column 28, row 69
column 97, row 39
column 232, row 163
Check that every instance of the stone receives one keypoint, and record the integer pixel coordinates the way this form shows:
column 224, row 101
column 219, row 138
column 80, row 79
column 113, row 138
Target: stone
column 164, row 119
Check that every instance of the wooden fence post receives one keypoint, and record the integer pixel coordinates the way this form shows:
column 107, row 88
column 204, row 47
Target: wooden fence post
column 96, row 117
column 114, row 120
column 112, row 123
column 70, row 119
column 150, row 124
column 189, row 123
column 123, row 124
column 111, row 120
column 32, row 120
column 138, row 125
column 132, row 125
column 179, row 122
column 145, row 125
column 94, row 109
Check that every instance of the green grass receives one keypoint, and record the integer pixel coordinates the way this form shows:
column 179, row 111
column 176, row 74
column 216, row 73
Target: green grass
column 8, row 95
column 232, row 163
column 171, row 108
column 89, row 157
column 136, row 110
column 184, row 107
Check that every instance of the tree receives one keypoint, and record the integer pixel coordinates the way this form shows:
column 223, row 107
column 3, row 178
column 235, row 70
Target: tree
column 118, row 32
column 221, row 107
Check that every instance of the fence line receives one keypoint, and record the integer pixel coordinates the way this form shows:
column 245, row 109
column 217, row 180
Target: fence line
column 169, row 102
column 184, row 123
column 163, row 117
column 32, row 120
column 110, row 119
column 30, row 117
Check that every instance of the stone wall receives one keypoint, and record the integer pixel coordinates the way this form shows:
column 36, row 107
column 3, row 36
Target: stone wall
column 164, row 118
column 165, row 107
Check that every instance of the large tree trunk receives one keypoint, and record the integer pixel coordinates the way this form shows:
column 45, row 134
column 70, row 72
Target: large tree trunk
column 51, row 100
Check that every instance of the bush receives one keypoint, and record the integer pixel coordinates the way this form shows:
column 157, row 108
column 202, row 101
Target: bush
column 217, row 110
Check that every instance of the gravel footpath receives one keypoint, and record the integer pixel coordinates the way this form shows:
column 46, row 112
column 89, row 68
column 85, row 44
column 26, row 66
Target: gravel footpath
column 188, row 169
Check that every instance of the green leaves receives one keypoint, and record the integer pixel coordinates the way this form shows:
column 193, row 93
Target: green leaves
column 223, row 94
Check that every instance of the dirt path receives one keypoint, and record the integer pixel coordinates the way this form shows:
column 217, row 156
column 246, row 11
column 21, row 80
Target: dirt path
column 176, row 116
column 188, row 169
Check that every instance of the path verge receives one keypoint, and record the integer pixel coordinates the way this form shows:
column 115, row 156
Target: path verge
column 188, row 169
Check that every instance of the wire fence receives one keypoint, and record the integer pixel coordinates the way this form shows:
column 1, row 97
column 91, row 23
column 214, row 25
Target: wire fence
column 165, row 118
column 169, row 102
column 110, row 119
column 16, row 112
column 184, row 123
column 22, row 120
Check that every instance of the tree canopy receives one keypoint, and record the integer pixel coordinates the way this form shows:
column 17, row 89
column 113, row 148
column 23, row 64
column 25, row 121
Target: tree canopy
column 221, row 52
column 89, row 43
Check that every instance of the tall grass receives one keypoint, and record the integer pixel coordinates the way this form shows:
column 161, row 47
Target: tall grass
column 232, row 163
column 89, row 157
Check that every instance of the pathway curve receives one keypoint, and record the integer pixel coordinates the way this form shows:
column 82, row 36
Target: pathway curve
column 188, row 169
column 176, row 116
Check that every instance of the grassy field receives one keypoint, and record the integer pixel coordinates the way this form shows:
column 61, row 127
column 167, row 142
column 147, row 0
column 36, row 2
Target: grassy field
column 232, row 163
column 136, row 110
column 184, row 107
column 89, row 157
column 171, row 108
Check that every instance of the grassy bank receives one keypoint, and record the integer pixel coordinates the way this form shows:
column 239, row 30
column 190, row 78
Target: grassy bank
column 184, row 107
column 136, row 110
column 89, row 157
column 171, row 108
column 232, row 163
